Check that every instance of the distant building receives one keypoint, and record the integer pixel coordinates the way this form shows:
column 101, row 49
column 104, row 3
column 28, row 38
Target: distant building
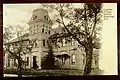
column 40, row 29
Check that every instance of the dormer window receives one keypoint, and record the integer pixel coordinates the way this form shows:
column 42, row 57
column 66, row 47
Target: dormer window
column 46, row 18
column 34, row 17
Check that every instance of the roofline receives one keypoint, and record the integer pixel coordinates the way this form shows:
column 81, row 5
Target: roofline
column 17, row 41
column 40, row 9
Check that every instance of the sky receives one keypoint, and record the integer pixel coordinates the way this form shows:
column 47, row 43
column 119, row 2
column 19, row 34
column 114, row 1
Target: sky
column 20, row 14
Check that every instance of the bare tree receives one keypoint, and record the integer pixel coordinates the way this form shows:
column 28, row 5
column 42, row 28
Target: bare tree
column 18, row 47
column 84, row 26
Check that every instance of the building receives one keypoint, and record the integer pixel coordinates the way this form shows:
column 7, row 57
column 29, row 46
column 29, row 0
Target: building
column 40, row 29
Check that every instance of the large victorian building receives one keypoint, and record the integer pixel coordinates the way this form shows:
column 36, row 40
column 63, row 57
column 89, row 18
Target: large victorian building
column 40, row 29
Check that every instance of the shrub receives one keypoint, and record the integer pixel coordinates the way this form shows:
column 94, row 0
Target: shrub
column 48, row 61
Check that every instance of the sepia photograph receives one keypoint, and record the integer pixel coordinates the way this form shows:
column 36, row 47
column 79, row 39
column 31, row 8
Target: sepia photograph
column 60, row 39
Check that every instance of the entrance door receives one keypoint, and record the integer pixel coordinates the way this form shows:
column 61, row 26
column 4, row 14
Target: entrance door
column 35, row 62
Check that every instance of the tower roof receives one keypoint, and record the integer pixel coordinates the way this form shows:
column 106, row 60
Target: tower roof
column 40, row 9
column 39, row 14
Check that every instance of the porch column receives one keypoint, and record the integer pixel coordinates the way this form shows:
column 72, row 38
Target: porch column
column 30, row 62
column 39, row 60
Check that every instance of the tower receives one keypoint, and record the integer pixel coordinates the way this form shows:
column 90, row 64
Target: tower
column 40, row 26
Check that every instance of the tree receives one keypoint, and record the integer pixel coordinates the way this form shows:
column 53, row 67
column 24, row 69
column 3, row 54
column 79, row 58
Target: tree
column 84, row 26
column 49, row 60
column 18, row 47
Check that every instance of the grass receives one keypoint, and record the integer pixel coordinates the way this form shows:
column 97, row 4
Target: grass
column 55, row 72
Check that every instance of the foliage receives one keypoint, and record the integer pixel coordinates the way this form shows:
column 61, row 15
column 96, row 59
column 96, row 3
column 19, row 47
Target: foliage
column 48, row 62
column 49, row 59
column 83, row 25
column 17, row 47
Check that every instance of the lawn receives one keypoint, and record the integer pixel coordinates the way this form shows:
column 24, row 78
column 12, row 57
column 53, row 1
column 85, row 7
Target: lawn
column 52, row 72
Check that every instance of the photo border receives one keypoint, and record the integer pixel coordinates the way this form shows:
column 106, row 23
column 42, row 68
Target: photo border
column 109, row 77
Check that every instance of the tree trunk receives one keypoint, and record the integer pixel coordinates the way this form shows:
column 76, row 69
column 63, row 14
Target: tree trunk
column 87, row 68
column 19, row 67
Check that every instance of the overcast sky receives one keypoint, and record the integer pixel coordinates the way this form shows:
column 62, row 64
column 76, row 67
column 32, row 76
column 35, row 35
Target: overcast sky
column 20, row 14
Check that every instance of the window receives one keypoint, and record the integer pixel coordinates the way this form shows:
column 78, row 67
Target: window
column 49, row 32
column 83, row 58
column 34, row 17
column 45, row 17
column 96, row 61
column 43, row 42
column 15, row 64
column 63, row 61
column 73, row 59
column 8, row 62
column 42, row 30
column 64, row 42
column 27, row 61
column 43, row 26
column 35, row 44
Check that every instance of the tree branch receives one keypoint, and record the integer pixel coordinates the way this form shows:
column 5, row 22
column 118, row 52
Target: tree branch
column 94, row 25
column 69, row 31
